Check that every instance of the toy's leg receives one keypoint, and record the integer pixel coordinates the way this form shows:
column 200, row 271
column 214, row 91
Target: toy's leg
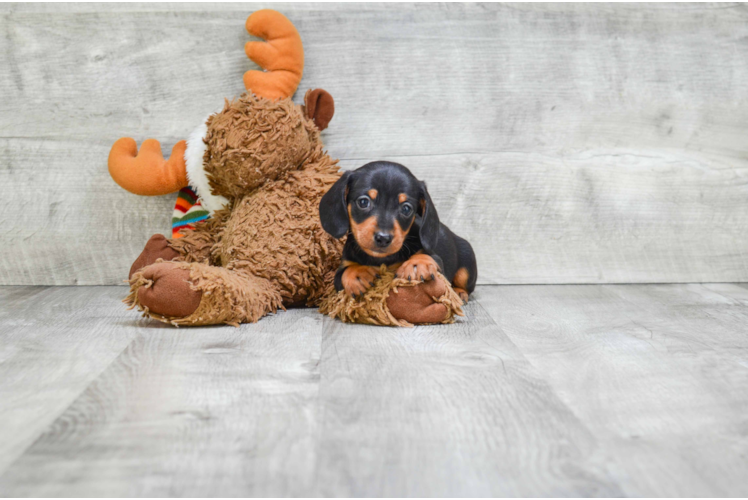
column 184, row 293
column 415, row 304
column 156, row 248
column 165, row 289
column 194, row 246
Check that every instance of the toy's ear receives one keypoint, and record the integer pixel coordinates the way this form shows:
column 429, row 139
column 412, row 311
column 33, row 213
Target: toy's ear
column 429, row 232
column 319, row 106
column 333, row 210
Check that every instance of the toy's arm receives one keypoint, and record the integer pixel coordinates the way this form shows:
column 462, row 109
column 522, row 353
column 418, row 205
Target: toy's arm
column 197, row 244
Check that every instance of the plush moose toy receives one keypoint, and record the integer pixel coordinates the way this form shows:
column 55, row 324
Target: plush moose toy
column 259, row 168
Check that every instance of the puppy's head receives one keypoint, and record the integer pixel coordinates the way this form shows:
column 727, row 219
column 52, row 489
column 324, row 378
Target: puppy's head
column 378, row 203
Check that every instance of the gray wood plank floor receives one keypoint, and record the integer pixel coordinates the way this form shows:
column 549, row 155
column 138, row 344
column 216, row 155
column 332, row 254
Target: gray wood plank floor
column 583, row 390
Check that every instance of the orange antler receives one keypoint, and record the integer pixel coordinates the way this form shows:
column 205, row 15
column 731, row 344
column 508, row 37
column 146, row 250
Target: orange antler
column 281, row 55
column 147, row 172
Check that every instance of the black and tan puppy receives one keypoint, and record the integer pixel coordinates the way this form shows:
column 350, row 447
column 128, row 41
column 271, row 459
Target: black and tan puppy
column 390, row 219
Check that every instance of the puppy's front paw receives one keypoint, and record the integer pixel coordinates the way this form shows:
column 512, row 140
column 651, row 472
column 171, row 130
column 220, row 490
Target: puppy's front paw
column 357, row 279
column 420, row 267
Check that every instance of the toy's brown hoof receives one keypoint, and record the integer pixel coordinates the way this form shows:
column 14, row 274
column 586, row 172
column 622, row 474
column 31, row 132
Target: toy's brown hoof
column 156, row 248
column 170, row 293
column 415, row 304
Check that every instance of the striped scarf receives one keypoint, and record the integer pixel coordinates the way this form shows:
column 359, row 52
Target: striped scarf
column 187, row 212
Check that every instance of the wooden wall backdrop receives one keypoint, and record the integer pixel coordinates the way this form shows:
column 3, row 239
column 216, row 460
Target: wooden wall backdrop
column 584, row 143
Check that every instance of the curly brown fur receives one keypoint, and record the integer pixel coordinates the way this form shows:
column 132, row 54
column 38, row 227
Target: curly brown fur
column 271, row 229
column 254, row 140
column 197, row 245
column 271, row 234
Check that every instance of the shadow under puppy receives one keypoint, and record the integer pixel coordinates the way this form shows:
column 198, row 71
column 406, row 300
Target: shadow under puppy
column 390, row 219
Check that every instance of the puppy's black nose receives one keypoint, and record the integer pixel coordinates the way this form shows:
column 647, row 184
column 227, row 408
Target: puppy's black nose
column 382, row 239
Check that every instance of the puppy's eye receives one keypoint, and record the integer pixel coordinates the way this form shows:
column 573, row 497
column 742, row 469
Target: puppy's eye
column 406, row 209
column 363, row 202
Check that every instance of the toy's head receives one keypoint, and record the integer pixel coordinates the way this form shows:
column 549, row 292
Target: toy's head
column 255, row 138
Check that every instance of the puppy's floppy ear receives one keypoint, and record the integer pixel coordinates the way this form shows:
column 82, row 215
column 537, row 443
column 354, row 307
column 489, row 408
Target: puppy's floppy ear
column 429, row 233
column 333, row 210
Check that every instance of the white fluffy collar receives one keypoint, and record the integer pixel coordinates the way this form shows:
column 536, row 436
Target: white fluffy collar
column 193, row 157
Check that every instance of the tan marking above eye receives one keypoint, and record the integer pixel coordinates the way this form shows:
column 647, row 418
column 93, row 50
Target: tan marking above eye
column 402, row 198
column 372, row 193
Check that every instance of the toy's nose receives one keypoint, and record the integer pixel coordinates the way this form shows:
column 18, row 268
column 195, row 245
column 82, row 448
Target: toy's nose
column 382, row 239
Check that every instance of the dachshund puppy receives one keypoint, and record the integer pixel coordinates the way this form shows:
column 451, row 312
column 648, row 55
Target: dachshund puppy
column 390, row 219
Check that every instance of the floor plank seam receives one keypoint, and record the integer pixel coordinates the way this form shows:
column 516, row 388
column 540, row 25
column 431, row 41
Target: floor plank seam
column 73, row 401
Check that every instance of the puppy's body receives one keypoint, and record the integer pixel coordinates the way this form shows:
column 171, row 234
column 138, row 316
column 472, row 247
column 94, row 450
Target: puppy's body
column 390, row 219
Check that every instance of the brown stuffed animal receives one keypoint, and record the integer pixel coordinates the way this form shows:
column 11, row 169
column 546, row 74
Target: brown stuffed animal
column 259, row 167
